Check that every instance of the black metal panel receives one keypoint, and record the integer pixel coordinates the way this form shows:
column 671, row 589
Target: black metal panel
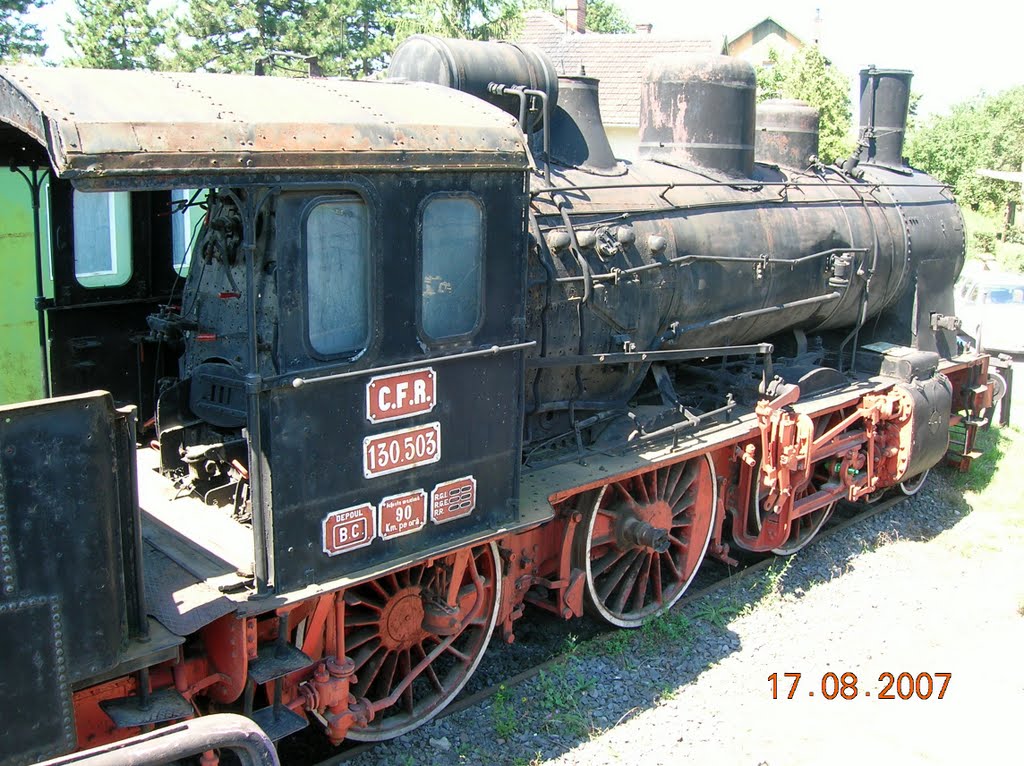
column 36, row 720
column 317, row 464
column 312, row 436
column 63, row 466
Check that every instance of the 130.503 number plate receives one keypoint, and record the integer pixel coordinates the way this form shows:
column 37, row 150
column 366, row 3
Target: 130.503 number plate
column 401, row 450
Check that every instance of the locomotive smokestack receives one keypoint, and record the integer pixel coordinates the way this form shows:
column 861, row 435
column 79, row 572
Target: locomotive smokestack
column 577, row 133
column 884, row 100
column 699, row 110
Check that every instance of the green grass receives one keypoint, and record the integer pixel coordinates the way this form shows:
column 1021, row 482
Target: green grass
column 561, row 700
column 504, row 715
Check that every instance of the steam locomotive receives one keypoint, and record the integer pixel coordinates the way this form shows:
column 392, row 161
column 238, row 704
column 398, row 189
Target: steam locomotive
column 346, row 374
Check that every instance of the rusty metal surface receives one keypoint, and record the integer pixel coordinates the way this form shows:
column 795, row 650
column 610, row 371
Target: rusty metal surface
column 98, row 123
column 787, row 133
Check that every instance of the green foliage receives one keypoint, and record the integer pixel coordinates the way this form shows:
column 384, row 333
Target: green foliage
column 983, row 132
column 770, row 77
column 116, row 34
column 467, row 19
column 17, row 36
column 504, row 714
column 349, row 37
column 605, row 16
column 807, row 75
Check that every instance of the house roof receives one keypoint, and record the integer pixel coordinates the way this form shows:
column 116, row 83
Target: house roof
column 758, row 32
column 616, row 60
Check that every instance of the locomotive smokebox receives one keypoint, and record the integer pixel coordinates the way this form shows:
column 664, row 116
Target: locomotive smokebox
column 577, row 132
column 884, row 100
column 471, row 66
column 699, row 110
column 787, row 133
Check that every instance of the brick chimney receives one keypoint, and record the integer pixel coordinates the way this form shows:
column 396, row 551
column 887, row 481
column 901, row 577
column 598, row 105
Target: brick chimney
column 644, row 29
column 576, row 16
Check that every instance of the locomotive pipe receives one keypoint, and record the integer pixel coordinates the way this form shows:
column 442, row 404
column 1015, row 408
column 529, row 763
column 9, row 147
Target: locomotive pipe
column 759, row 312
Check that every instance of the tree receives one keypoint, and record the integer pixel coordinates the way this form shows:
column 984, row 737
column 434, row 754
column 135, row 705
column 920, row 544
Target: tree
column 468, row 19
column 117, row 34
column 605, row 16
column 349, row 37
column 982, row 132
column 17, row 36
column 807, row 75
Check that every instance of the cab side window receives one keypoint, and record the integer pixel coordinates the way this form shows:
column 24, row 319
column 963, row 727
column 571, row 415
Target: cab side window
column 187, row 214
column 338, row 275
column 103, row 238
column 451, row 266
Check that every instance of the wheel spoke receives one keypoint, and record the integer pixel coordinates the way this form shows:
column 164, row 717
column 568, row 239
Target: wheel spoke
column 642, row 495
column 626, row 495
column 629, row 581
column 662, row 479
column 598, row 567
column 667, row 559
column 620, row 570
column 405, row 668
column 369, row 669
column 640, row 591
column 684, row 486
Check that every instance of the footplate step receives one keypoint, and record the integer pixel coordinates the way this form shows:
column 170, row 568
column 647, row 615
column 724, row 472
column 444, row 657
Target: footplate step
column 278, row 721
column 159, row 707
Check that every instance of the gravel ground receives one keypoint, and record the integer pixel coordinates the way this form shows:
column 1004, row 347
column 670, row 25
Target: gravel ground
column 926, row 586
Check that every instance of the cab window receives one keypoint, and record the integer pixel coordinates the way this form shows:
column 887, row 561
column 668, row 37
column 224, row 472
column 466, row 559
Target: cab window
column 451, row 266
column 338, row 275
column 187, row 214
column 103, row 238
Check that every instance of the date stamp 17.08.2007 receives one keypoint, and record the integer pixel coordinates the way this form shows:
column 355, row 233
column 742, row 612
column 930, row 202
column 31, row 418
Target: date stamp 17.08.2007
column 846, row 686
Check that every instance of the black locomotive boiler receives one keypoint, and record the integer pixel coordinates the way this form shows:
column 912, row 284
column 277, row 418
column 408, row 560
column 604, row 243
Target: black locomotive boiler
column 431, row 353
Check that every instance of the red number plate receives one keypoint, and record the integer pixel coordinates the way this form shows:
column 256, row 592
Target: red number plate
column 453, row 499
column 401, row 450
column 403, row 514
column 348, row 529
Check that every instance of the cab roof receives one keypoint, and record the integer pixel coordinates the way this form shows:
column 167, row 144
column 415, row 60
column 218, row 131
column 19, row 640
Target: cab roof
column 130, row 129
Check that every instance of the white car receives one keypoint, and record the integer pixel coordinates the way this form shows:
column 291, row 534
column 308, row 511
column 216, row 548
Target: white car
column 990, row 304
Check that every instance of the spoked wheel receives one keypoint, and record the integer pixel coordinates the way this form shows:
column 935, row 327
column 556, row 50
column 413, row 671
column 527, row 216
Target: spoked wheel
column 912, row 486
column 407, row 644
column 643, row 539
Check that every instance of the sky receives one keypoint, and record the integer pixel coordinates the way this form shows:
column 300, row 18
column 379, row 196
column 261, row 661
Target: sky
column 955, row 51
